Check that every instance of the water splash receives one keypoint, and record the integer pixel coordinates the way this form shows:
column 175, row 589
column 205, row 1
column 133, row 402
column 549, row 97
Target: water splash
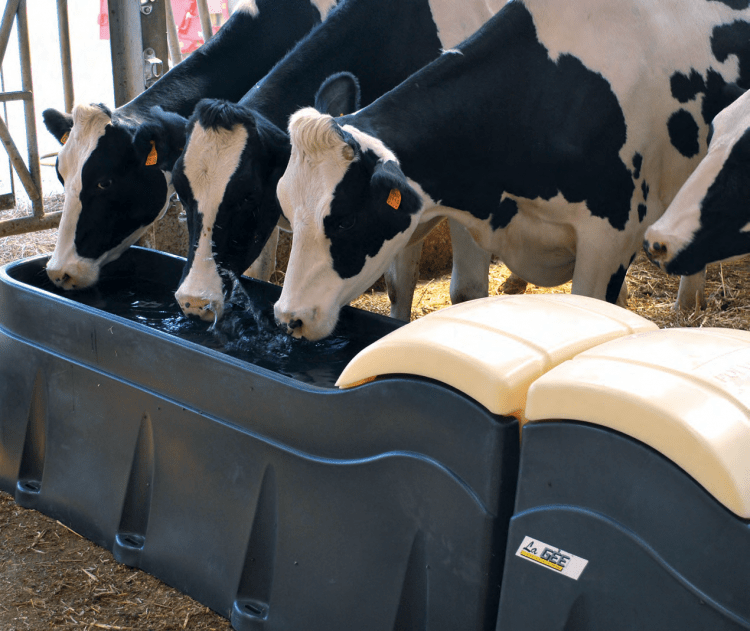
column 247, row 331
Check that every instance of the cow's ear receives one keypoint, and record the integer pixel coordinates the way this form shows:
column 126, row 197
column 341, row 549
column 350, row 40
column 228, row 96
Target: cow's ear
column 388, row 184
column 338, row 95
column 58, row 124
column 160, row 141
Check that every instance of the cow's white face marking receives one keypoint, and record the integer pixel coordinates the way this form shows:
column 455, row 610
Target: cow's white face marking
column 681, row 222
column 313, row 291
column 210, row 159
column 66, row 268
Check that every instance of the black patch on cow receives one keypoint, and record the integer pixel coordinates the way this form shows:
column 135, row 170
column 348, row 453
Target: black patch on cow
column 725, row 210
column 217, row 114
column 719, row 94
column 508, row 209
column 637, row 165
column 686, row 88
column 737, row 5
column 683, row 133
column 568, row 142
column 119, row 194
column 642, row 210
column 615, row 284
column 616, row 280
column 249, row 210
column 644, row 190
column 731, row 39
column 361, row 220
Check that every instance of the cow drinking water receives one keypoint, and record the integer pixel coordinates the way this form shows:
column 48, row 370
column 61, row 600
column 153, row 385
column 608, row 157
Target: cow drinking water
column 236, row 153
column 556, row 135
column 116, row 165
column 709, row 219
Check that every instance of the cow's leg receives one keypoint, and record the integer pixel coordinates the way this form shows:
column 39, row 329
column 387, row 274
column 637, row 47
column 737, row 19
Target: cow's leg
column 401, row 280
column 598, row 273
column 471, row 266
column 691, row 292
column 265, row 264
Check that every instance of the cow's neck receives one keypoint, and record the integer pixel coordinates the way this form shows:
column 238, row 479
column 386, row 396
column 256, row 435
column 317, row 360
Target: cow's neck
column 237, row 57
column 381, row 43
column 448, row 120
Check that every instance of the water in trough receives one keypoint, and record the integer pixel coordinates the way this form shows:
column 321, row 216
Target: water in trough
column 246, row 332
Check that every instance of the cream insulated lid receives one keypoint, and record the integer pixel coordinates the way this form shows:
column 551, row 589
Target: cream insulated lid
column 492, row 349
column 685, row 392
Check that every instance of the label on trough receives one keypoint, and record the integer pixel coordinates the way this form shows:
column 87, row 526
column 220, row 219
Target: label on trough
column 551, row 557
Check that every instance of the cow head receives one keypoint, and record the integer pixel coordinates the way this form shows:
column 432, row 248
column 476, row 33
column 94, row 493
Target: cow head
column 351, row 210
column 226, row 179
column 116, row 179
column 709, row 218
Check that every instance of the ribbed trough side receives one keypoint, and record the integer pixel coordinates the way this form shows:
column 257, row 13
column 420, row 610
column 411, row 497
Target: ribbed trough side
column 279, row 504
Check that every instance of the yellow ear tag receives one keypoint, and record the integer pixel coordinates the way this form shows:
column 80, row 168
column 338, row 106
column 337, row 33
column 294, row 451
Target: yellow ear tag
column 394, row 198
column 151, row 157
column 64, row 138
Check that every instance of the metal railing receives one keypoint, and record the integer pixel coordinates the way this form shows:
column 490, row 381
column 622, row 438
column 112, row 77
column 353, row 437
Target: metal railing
column 139, row 41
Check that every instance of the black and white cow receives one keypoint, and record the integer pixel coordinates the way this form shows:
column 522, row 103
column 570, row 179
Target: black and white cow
column 709, row 218
column 236, row 153
column 556, row 135
column 116, row 165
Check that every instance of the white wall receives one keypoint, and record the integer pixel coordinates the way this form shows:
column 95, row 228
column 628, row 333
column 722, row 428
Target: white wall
column 92, row 76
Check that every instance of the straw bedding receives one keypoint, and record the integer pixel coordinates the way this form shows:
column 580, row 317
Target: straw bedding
column 51, row 578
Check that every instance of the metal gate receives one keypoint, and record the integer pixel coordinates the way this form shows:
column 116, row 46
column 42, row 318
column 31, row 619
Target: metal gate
column 143, row 33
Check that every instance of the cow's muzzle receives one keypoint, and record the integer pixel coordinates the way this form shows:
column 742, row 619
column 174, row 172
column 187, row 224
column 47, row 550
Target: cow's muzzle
column 657, row 252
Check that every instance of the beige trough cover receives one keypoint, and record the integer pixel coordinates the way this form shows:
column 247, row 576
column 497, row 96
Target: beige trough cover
column 492, row 349
column 684, row 392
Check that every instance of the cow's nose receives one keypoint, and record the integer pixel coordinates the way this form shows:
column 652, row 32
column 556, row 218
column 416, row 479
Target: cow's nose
column 60, row 278
column 655, row 251
column 206, row 309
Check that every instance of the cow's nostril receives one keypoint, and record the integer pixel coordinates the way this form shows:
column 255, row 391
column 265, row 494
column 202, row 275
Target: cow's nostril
column 295, row 324
column 660, row 248
column 65, row 278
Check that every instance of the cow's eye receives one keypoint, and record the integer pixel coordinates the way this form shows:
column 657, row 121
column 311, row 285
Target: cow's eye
column 105, row 184
column 347, row 223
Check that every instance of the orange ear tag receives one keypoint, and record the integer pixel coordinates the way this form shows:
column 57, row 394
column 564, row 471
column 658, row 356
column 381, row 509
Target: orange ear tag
column 394, row 198
column 151, row 157
column 64, row 138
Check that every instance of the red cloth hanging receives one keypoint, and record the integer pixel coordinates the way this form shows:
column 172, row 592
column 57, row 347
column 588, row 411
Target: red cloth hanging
column 185, row 16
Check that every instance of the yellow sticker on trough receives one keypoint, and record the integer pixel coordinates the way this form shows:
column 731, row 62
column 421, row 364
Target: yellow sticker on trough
column 394, row 198
column 64, row 138
column 151, row 157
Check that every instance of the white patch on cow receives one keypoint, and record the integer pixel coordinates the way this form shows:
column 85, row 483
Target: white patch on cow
column 210, row 159
column 452, row 51
column 324, row 6
column 247, row 6
column 458, row 20
column 65, row 268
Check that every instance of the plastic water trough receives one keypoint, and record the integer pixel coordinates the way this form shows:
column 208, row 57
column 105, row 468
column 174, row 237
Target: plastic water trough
column 367, row 483
column 633, row 501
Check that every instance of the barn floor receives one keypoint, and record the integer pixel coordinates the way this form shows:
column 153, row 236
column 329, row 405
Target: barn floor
column 51, row 578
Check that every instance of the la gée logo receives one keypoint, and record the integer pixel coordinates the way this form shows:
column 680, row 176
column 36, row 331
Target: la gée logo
column 551, row 557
